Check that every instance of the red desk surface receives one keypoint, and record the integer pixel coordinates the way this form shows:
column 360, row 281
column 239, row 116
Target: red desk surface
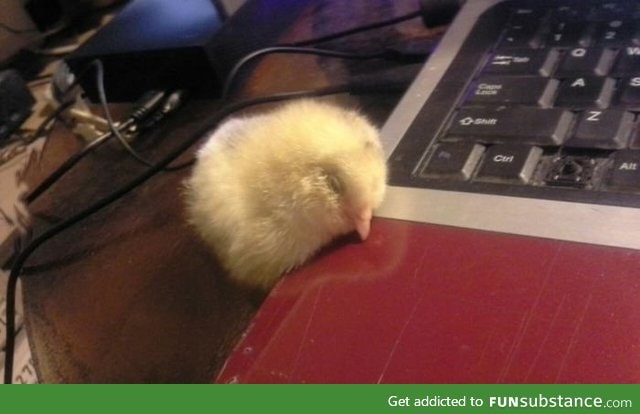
column 430, row 304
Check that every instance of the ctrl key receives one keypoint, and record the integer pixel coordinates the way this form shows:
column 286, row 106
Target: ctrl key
column 455, row 160
column 509, row 163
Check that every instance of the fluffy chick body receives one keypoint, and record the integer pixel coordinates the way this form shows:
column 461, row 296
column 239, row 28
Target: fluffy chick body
column 269, row 190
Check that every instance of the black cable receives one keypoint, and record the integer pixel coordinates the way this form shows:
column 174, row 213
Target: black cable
column 112, row 126
column 296, row 47
column 355, row 30
column 47, row 124
column 385, row 54
column 22, row 257
column 107, row 113
column 67, row 165
column 70, row 163
column 152, row 108
column 16, row 31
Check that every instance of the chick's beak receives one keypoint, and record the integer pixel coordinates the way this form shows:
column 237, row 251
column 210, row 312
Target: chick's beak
column 362, row 221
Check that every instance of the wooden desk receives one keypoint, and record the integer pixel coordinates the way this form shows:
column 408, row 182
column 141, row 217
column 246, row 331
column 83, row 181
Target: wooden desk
column 130, row 294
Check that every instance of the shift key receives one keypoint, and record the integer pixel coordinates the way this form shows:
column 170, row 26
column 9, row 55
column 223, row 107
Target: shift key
column 518, row 125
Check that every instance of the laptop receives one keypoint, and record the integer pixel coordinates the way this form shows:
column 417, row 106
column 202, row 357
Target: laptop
column 507, row 249
column 528, row 125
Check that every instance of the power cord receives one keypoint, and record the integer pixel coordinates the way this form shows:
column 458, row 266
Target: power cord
column 356, row 30
column 171, row 105
column 389, row 54
column 70, row 163
column 15, row 31
column 16, row 268
column 152, row 108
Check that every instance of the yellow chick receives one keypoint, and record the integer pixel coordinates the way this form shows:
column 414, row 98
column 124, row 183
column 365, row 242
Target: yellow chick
column 269, row 190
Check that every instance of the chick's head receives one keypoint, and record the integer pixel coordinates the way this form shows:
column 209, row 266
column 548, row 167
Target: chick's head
column 353, row 168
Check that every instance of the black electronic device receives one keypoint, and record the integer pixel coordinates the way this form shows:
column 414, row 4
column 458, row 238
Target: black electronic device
column 152, row 44
column 165, row 44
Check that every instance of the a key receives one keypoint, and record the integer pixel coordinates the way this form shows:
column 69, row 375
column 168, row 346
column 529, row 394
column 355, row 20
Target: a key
column 624, row 173
column 585, row 61
column 509, row 163
column 585, row 91
column 525, row 90
column 522, row 125
column 455, row 160
column 603, row 129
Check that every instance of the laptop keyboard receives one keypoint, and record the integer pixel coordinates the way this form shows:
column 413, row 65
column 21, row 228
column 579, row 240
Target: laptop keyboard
column 542, row 101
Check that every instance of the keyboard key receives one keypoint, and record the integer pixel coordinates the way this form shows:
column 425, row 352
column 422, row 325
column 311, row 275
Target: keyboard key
column 517, row 37
column 525, row 90
column 585, row 91
column 568, row 13
column 614, row 32
column 522, row 62
column 611, row 11
column 509, row 163
column 602, row 129
column 625, row 171
column 566, row 33
column 629, row 92
column 455, row 160
column 628, row 62
column 521, row 125
column 585, row 61
column 635, row 139
column 521, row 28
column 526, row 17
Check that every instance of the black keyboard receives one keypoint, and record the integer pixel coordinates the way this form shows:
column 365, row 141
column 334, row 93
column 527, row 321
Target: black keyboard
column 541, row 101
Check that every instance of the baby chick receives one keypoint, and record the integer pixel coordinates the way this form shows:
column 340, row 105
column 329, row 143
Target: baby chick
column 269, row 190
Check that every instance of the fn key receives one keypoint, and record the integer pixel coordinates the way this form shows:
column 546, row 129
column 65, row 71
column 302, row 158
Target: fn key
column 509, row 163
column 455, row 160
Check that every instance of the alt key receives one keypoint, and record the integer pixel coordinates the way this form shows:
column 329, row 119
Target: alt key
column 625, row 171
